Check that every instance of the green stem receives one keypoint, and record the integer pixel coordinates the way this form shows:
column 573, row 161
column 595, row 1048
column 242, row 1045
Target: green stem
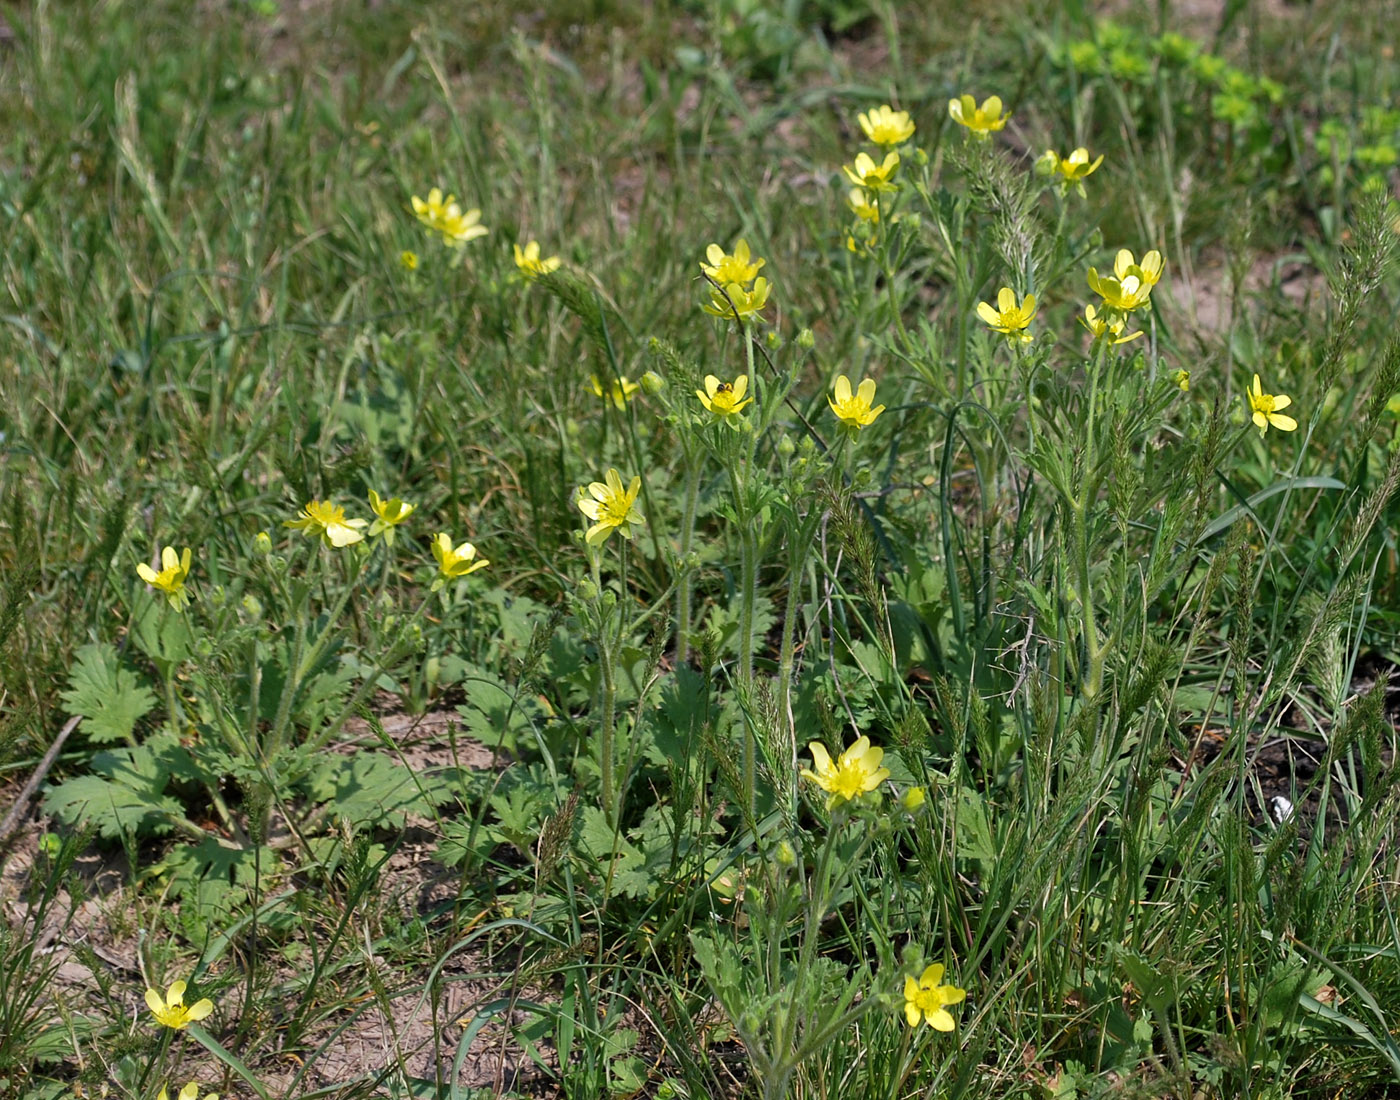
column 608, row 701
column 684, row 581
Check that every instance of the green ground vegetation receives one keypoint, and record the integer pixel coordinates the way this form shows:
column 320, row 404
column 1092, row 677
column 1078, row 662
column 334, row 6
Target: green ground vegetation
column 580, row 683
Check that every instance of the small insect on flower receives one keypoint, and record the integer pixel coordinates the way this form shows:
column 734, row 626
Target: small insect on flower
column 189, row 1092
column 388, row 514
column 873, row 177
column 1266, row 409
column 853, row 410
column 528, row 261
column 886, row 126
column 327, row 520
column 1106, row 324
column 747, row 304
column 454, row 561
column 740, row 266
column 725, row 399
column 925, row 999
column 853, row 774
column 981, row 121
column 443, row 216
column 174, row 568
column 1007, row 317
column 611, row 507
column 171, row 1010
column 619, row 390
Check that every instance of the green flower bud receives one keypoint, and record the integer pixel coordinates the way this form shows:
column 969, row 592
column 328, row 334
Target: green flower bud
column 652, row 383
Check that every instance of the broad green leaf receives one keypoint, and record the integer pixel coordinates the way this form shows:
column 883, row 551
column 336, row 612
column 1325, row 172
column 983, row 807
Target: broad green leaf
column 110, row 699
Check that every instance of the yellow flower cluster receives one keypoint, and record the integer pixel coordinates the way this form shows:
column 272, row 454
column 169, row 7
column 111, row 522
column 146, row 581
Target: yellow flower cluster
column 1011, row 320
column 725, row 399
column 610, row 507
column 926, row 999
column 174, row 569
column 981, row 121
column 444, row 217
column 886, row 128
column 172, row 1012
column 854, row 409
column 1071, row 170
column 737, row 291
column 618, row 392
column 530, row 264
column 855, row 772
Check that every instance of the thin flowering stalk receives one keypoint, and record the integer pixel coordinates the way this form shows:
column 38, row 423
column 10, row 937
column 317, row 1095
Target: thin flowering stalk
column 686, row 583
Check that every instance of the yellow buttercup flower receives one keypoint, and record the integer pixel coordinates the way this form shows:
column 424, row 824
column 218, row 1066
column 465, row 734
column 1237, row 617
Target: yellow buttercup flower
column 1071, row 169
column 171, row 1010
column 724, row 399
column 328, row 521
column 853, row 410
column 454, row 561
column 443, row 216
column 1149, row 270
column 528, row 260
column 926, row 1000
column 983, row 120
column 174, row 568
column 1124, row 292
column 885, row 126
column 1266, row 408
column 1007, row 317
column 619, row 391
column 611, row 507
column 746, row 303
column 189, row 1092
column 1107, row 324
column 388, row 514
column 861, row 205
column 736, row 267
column 873, row 177
column 854, row 773
column 408, row 260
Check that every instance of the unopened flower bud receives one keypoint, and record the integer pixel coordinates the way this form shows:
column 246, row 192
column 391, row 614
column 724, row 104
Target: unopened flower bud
column 652, row 383
column 262, row 543
column 786, row 447
column 805, row 339
column 587, row 590
column 912, row 799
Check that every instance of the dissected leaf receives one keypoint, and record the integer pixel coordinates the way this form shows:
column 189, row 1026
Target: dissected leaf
column 110, row 698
